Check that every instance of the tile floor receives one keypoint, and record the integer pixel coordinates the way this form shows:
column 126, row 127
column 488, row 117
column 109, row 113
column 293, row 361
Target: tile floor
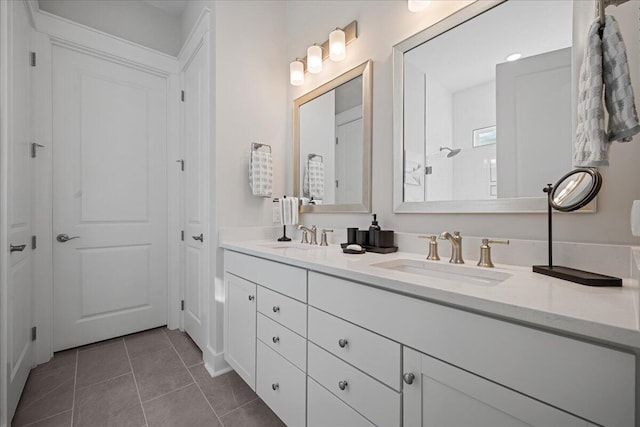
column 152, row 378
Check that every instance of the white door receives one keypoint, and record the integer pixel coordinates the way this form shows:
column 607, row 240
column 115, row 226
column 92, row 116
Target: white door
column 349, row 152
column 196, row 191
column 109, row 198
column 16, row 205
column 442, row 395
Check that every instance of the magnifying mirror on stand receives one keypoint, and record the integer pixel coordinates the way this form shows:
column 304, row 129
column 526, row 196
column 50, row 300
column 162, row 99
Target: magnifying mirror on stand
column 572, row 192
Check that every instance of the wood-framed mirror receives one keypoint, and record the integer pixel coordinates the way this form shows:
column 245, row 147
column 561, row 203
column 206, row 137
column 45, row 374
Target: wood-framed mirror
column 332, row 144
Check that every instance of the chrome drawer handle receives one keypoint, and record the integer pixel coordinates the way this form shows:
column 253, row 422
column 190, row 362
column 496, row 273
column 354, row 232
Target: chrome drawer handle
column 276, row 309
column 342, row 342
column 275, row 340
column 251, row 297
column 343, row 385
column 408, row 378
column 275, row 386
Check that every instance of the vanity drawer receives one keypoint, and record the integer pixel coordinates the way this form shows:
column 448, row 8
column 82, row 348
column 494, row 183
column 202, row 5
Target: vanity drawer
column 288, row 344
column 372, row 399
column 284, row 310
column 281, row 385
column 371, row 353
column 288, row 280
column 567, row 373
column 324, row 409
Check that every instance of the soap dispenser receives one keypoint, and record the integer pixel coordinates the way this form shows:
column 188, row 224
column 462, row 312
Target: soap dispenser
column 372, row 230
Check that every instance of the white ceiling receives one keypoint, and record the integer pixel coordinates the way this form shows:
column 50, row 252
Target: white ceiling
column 466, row 56
column 172, row 7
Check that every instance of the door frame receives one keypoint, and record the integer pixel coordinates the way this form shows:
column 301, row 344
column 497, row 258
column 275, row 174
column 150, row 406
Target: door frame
column 53, row 30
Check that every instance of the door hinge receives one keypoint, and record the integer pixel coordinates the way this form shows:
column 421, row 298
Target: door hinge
column 34, row 333
column 336, row 183
column 34, row 149
column 182, row 305
column 336, row 140
column 33, row 59
column 182, row 235
column 181, row 164
column 33, row 242
column 182, row 95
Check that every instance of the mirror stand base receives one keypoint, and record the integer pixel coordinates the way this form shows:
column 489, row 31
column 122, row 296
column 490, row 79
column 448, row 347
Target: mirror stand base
column 578, row 276
column 284, row 237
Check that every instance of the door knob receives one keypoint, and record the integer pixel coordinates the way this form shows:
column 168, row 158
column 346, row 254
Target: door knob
column 200, row 237
column 65, row 238
column 16, row 248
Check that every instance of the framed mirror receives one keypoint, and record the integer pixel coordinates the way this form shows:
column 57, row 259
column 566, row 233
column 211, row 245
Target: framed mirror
column 483, row 112
column 332, row 144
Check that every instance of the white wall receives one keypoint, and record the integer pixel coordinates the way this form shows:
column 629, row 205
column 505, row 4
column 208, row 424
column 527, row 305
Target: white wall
column 439, row 133
column 621, row 180
column 473, row 108
column 136, row 21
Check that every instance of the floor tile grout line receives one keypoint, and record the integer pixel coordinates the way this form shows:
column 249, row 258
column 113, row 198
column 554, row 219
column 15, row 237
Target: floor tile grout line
column 241, row 406
column 194, row 379
column 169, row 392
column 75, row 382
column 47, row 418
column 44, row 396
column 135, row 382
column 104, row 381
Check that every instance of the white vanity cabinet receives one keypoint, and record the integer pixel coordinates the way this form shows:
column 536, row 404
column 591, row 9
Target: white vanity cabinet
column 439, row 394
column 240, row 327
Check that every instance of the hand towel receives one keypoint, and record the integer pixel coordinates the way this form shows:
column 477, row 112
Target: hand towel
column 261, row 173
column 604, row 65
column 289, row 210
column 316, row 179
column 618, row 93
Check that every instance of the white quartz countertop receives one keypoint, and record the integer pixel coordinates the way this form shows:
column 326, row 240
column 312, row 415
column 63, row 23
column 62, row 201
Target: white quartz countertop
column 610, row 315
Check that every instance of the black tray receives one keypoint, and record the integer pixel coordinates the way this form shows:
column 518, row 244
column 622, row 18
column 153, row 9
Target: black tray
column 374, row 249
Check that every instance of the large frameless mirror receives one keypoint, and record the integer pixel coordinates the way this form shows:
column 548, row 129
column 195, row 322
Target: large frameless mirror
column 483, row 115
column 332, row 144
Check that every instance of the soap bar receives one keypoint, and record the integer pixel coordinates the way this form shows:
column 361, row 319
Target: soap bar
column 354, row 247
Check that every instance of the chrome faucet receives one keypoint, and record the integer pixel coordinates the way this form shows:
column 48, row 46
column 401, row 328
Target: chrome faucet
column 313, row 232
column 456, row 246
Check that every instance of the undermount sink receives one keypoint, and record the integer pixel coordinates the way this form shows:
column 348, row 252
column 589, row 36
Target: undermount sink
column 456, row 273
column 290, row 245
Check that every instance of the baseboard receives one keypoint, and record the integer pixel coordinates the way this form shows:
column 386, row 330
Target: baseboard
column 214, row 362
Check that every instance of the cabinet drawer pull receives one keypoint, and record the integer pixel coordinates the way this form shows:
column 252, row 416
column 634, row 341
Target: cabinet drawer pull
column 408, row 378
column 251, row 297
column 342, row 342
column 275, row 386
column 276, row 309
column 343, row 385
column 275, row 340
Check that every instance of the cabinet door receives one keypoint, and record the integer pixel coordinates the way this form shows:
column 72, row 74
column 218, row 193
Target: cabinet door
column 442, row 395
column 240, row 327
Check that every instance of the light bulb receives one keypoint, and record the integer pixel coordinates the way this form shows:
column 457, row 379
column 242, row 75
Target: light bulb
column 296, row 73
column 314, row 59
column 418, row 5
column 337, row 48
column 514, row 57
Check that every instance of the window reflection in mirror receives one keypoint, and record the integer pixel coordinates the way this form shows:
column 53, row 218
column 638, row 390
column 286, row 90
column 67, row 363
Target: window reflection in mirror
column 509, row 122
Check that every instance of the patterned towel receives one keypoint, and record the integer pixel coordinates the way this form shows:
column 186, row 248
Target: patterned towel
column 604, row 65
column 313, row 184
column 261, row 174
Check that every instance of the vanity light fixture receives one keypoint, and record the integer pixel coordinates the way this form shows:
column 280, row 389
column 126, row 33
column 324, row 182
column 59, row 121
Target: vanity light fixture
column 296, row 72
column 513, row 57
column 314, row 59
column 334, row 48
column 337, row 45
column 417, row 5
